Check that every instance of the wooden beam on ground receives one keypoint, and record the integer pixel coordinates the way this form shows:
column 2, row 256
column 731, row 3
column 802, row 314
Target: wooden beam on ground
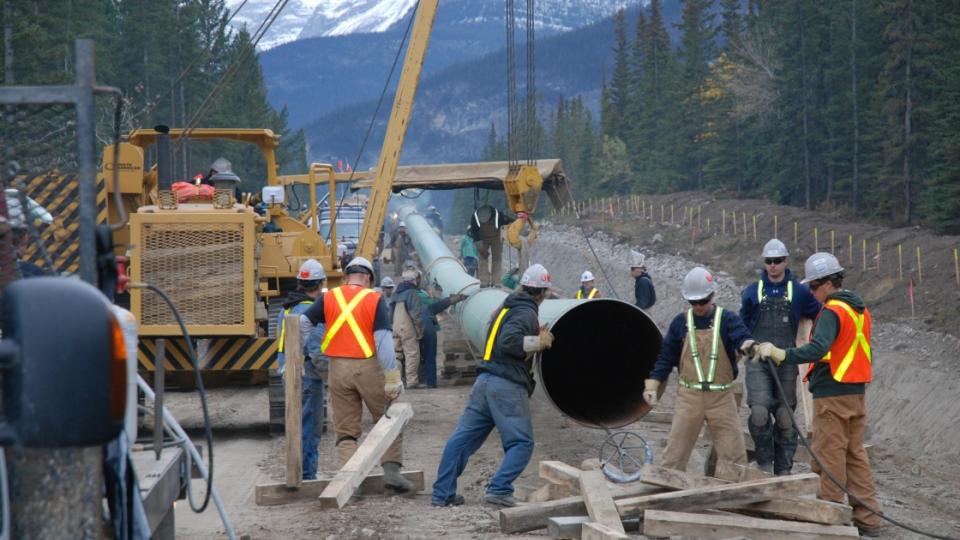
column 276, row 494
column 558, row 472
column 368, row 454
column 590, row 464
column 530, row 517
column 724, row 496
column 549, row 492
column 599, row 531
column 599, row 500
column 293, row 394
column 656, row 475
column 800, row 509
column 570, row 527
column 665, row 523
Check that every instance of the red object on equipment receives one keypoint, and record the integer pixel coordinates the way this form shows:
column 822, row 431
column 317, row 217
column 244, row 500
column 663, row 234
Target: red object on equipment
column 123, row 280
column 186, row 191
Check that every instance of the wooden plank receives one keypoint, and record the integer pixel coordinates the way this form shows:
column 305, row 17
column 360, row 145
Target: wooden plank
column 569, row 527
column 590, row 464
column 549, row 492
column 800, row 509
column 293, row 394
column 665, row 523
column 599, row 500
column 724, row 496
column 558, row 472
column 530, row 517
column 656, row 475
column 276, row 494
column 599, row 531
column 368, row 454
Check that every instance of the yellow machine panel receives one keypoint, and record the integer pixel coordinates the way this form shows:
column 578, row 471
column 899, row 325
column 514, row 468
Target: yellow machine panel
column 204, row 260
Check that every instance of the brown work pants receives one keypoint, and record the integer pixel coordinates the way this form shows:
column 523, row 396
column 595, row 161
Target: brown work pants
column 406, row 343
column 719, row 410
column 353, row 383
column 838, row 424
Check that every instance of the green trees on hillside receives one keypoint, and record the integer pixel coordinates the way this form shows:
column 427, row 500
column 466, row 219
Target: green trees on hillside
column 143, row 47
column 852, row 105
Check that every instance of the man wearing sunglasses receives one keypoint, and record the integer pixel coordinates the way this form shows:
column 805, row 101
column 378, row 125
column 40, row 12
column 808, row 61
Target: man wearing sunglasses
column 771, row 309
column 702, row 344
column 840, row 359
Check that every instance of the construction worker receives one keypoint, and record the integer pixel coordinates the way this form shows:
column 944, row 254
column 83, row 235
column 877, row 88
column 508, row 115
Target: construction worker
column 645, row 294
column 500, row 395
column 401, row 247
column 485, row 230
column 310, row 279
column 840, row 359
column 17, row 219
column 771, row 310
column 435, row 219
column 702, row 343
column 363, row 368
column 407, row 325
column 468, row 253
column 587, row 290
column 428, row 343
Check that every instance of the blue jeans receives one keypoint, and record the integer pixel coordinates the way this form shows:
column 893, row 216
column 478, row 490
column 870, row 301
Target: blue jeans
column 494, row 402
column 428, row 356
column 312, row 404
column 773, row 433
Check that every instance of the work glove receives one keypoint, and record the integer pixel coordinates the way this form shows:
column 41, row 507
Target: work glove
column 457, row 298
column 748, row 348
column 650, row 388
column 546, row 338
column 774, row 353
column 393, row 386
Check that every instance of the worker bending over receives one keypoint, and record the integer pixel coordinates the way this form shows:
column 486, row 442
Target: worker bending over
column 310, row 279
column 771, row 309
column 587, row 290
column 363, row 369
column 702, row 345
column 501, row 395
column 840, row 360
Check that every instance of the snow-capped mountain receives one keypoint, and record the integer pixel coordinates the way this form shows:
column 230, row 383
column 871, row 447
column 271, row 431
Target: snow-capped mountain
column 319, row 18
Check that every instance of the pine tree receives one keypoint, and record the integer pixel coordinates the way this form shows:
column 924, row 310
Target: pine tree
column 619, row 90
column 697, row 51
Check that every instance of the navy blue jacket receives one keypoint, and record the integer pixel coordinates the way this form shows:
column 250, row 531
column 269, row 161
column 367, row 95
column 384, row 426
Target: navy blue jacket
column 804, row 303
column 508, row 359
column 732, row 332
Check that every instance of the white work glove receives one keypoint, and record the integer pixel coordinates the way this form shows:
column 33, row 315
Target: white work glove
column 774, row 353
column 392, row 386
column 650, row 388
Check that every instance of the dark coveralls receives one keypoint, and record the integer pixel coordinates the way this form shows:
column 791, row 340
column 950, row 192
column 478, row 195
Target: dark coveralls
column 771, row 311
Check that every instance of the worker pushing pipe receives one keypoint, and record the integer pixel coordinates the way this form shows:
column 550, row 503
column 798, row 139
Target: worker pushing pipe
column 604, row 348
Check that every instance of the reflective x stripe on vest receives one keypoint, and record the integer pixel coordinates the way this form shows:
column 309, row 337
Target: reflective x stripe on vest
column 283, row 324
column 859, row 342
column 493, row 335
column 760, row 291
column 704, row 383
column 346, row 316
column 593, row 292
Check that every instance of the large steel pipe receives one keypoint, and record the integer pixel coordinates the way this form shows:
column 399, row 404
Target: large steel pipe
column 603, row 348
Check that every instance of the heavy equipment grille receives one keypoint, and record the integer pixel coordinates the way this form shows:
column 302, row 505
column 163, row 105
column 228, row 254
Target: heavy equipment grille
column 200, row 266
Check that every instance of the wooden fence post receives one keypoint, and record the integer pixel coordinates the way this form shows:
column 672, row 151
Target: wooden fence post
column 293, row 392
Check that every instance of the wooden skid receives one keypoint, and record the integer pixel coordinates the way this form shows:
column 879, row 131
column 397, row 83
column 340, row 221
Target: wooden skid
column 530, row 517
column 599, row 531
column 666, row 523
column 349, row 478
column 309, row 490
column 599, row 501
column 723, row 496
column 292, row 383
column 570, row 527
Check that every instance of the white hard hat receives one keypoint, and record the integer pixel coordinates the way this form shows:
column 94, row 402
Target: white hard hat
column 775, row 248
column 586, row 276
column 356, row 263
column 431, row 208
column 402, row 224
column 637, row 259
column 698, row 284
column 408, row 275
column 387, row 282
column 820, row 265
column 311, row 270
column 536, row 276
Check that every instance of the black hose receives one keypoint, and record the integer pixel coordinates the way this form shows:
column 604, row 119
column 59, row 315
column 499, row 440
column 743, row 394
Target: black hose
column 816, row 458
column 208, row 431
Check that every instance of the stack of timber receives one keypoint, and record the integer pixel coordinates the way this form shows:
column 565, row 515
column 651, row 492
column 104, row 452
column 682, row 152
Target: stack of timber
column 579, row 502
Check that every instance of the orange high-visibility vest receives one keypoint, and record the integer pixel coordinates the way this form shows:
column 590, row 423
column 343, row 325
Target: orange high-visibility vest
column 349, row 312
column 850, row 355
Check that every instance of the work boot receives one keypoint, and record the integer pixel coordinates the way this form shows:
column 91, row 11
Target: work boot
column 765, row 467
column 507, row 501
column 345, row 450
column 457, row 500
column 392, row 479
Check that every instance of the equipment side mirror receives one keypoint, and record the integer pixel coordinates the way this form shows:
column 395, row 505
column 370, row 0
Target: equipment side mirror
column 64, row 363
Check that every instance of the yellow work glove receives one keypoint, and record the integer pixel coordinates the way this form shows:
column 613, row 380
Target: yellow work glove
column 546, row 338
column 650, row 388
column 392, row 386
column 774, row 353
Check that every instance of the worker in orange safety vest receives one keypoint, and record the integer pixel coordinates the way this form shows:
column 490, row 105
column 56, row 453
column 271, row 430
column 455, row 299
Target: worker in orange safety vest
column 840, row 356
column 363, row 368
